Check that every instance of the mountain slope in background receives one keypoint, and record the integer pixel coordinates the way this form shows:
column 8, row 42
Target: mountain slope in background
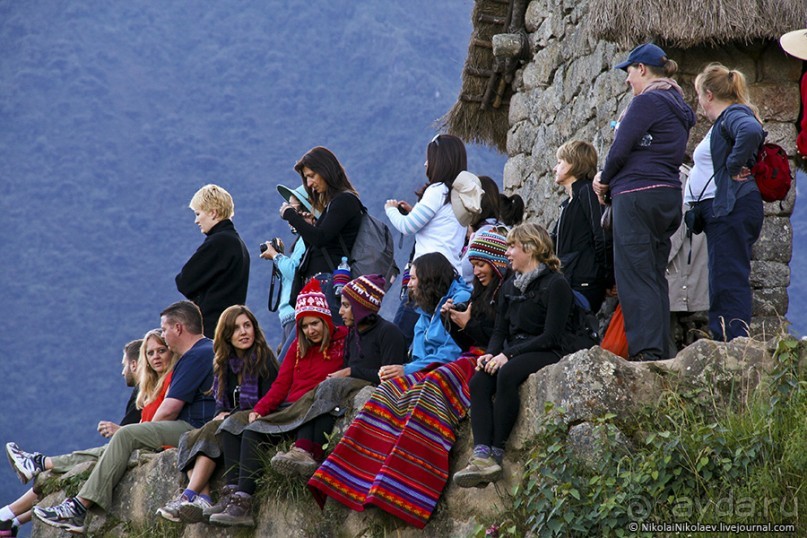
column 114, row 114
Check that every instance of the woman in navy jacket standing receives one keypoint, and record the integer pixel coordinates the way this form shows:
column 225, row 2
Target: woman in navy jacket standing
column 733, row 217
column 641, row 175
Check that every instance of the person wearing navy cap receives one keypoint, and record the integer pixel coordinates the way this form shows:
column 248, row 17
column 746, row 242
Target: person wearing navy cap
column 641, row 177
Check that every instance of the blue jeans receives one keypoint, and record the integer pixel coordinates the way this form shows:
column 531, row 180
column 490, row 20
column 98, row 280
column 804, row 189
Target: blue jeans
column 729, row 240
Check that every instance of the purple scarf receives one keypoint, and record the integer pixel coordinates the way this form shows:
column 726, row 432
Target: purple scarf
column 249, row 387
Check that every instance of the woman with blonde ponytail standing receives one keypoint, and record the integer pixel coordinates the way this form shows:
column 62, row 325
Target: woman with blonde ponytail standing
column 732, row 208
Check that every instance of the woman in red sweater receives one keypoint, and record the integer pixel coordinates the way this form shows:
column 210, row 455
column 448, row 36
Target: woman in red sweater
column 287, row 407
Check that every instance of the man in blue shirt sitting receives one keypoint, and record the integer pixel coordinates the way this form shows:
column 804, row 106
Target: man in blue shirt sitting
column 186, row 406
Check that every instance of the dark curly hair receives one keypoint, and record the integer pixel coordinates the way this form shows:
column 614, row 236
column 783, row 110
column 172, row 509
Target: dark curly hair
column 434, row 277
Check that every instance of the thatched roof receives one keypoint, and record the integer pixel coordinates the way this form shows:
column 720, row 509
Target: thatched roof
column 474, row 118
column 690, row 23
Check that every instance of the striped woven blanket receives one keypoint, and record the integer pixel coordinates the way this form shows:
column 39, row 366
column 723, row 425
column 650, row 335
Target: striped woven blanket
column 394, row 454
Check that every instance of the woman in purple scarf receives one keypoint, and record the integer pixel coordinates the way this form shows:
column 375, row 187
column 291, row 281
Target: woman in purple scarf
column 244, row 368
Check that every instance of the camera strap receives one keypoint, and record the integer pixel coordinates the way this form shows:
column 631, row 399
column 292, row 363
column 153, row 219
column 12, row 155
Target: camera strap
column 273, row 306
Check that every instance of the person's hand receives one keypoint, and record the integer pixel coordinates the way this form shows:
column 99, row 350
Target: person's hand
column 611, row 292
column 107, row 429
column 482, row 360
column 270, row 252
column 308, row 217
column 600, row 189
column 744, row 174
column 390, row 372
column 253, row 416
column 493, row 365
column 391, row 203
column 222, row 415
column 405, row 206
column 344, row 372
column 447, row 306
column 461, row 318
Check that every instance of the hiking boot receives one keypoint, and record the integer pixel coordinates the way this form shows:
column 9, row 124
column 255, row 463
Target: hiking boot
column 26, row 464
column 478, row 471
column 295, row 462
column 238, row 512
column 171, row 510
column 193, row 511
column 224, row 499
column 68, row 515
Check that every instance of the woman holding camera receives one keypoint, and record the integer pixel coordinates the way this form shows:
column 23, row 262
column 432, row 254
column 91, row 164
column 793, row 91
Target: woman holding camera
column 533, row 329
column 333, row 234
column 431, row 220
column 244, row 368
column 730, row 202
column 395, row 453
column 286, row 265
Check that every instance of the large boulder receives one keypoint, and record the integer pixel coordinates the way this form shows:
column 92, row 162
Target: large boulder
column 587, row 384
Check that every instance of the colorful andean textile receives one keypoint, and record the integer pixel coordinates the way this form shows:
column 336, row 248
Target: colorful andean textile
column 395, row 453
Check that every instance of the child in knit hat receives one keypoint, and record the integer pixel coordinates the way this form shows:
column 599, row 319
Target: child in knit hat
column 373, row 342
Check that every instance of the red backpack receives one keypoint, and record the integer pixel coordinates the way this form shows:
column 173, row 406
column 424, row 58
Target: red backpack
column 772, row 173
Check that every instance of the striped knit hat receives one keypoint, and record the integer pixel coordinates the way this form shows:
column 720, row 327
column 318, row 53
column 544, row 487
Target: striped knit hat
column 489, row 247
column 312, row 302
column 364, row 295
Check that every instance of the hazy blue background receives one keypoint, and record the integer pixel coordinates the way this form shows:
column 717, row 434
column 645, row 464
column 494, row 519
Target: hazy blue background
column 113, row 114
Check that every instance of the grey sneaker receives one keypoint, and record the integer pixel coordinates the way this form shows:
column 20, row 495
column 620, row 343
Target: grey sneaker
column 238, row 512
column 26, row 464
column 171, row 510
column 478, row 471
column 193, row 511
column 295, row 462
column 68, row 516
column 224, row 499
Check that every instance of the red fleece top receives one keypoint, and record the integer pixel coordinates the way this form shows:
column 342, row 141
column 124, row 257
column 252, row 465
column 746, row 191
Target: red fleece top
column 149, row 410
column 298, row 377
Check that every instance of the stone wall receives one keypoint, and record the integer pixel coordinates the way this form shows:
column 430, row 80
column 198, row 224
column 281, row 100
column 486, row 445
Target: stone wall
column 570, row 90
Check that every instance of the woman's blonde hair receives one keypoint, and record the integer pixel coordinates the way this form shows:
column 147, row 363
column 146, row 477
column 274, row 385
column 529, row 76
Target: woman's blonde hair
column 536, row 242
column 148, row 380
column 726, row 85
column 213, row 198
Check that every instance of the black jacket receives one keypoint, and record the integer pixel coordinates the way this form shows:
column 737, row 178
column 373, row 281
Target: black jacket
column 581, row 244
column 537, row 320
column 380, row 344
column 217, row 274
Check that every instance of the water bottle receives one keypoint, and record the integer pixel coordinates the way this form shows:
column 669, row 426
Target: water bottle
column 341, row 276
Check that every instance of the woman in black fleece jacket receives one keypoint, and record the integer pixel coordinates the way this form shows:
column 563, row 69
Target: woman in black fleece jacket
column 533, row 329
column 332, row 194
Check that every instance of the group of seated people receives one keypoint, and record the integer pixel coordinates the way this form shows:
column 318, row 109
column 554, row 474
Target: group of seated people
column 486, row 301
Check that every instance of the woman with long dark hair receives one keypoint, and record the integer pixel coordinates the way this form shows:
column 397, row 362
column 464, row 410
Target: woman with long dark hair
column 332, row 236
column 432, row 219
column 395, row 453
column 244, row 368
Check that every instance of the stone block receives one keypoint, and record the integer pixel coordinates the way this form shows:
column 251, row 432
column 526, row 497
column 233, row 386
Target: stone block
column 776, row 101
column 541, row 71
column 778, row 67
column 521, row 137
column 519, row 108
column 535, row 15
column 516, row 170
column 770, row 302
column 783, row 134
column 775, row 242
column 766, row 274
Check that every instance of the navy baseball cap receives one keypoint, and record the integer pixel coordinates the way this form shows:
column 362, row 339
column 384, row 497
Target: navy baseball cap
column 648, row 54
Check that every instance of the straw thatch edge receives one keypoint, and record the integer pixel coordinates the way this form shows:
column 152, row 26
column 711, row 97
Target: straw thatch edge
column 684, row 24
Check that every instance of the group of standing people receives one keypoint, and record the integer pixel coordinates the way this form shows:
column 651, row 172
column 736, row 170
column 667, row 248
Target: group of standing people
column 487, row 301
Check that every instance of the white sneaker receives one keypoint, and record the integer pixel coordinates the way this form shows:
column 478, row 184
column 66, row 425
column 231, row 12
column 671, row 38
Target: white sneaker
column 193, row 511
